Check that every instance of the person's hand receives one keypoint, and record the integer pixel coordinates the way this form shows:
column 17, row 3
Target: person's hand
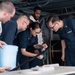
column 44, row 45
column 63, row 57
column 40, row 56
column 2, row 43
column 36, row 51
column 38, row 46
column 4, row 69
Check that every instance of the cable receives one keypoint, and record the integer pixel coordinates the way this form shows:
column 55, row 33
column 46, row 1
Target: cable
column 42, row 51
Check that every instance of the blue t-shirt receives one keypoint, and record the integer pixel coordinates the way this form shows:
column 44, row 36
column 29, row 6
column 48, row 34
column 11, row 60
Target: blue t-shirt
column 9, row 32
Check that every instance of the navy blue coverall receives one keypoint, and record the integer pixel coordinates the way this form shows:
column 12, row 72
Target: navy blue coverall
column 9, row 32
column 25, row 40
column 68, row 34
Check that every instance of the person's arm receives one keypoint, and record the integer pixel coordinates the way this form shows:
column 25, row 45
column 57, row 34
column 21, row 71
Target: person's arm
column 38, row 46
column 2, row 43
column 29, row 54
column 63, row 45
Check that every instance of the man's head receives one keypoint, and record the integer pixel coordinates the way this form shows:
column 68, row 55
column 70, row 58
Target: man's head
column 55, row 23
column 35, row 28
column 37, row 12
column 23, row 22
column 7, row 10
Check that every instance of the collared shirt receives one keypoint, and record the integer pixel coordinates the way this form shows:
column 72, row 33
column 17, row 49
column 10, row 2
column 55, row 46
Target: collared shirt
column 68, row 31
column 26, row 40
column 9, row 32
column 68, row 34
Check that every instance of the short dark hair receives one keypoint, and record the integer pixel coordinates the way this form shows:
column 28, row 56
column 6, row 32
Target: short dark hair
column 36, row 8
column 34, row 25
column 53, row 18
